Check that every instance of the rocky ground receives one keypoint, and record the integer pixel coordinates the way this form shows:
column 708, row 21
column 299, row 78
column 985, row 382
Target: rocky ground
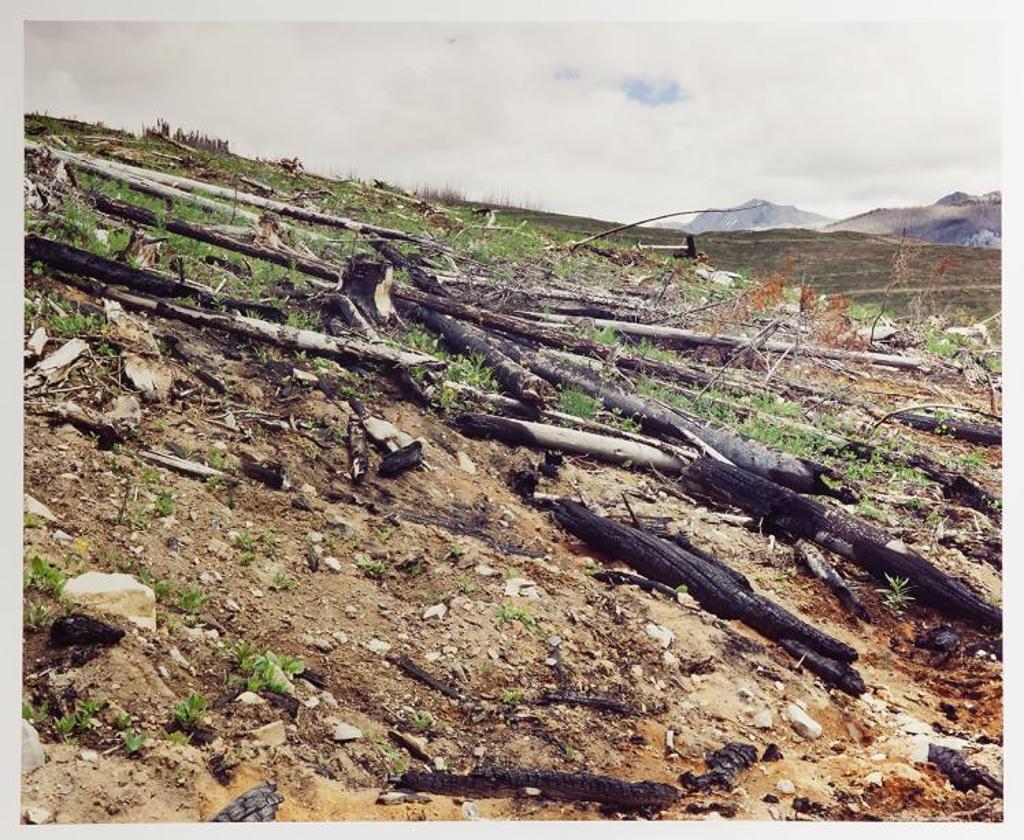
column 315, row 587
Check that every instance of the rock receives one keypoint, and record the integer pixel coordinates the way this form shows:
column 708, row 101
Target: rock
column 81, row 629
column 32, row 755
column 178, row 659
column 332, row 563
column 231, row 605
column 762, row 719
column 322, row 644
column 127, row 410
column 436, row 611
column 116, row 594
column 37, row 508
column 805, row 726
column 90, row 756
column 378, row 647
column 36, row 815
column 519, row 587
column 344, row 732
column 772, row 753
column 485, row 571
column 785, row 786
column 661, row 634
column 874, row 779
column 37, row 342
column 304, row 376
column 469, row 811
column 340, row 636
column 249, row 698
column 466, row 463
column 273, row 734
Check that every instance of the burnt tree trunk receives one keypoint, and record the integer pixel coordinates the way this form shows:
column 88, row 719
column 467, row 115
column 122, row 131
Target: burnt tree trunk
column 727, row 595
column 798, row 517
column 959, row 429
column 368, row 283
column 516, row 380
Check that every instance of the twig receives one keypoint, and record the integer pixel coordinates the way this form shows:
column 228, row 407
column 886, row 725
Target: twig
column 574, row 245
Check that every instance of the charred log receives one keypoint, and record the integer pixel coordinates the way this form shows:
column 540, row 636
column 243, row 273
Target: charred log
column 723, row 767
column 815, row 561
column 401, row 460
column 81, row 629
column 496, row 782
column 798, row 517
column 959, row 429
column 258, row 804
column 960, row 774
column 417, row 673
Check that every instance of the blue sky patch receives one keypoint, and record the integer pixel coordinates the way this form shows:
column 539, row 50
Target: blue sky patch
column 653, row 92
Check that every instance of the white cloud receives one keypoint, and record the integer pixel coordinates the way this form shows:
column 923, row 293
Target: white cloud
column 833, row 117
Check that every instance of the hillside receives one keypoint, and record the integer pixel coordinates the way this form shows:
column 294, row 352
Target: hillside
column 346, row 505
column 955, row 219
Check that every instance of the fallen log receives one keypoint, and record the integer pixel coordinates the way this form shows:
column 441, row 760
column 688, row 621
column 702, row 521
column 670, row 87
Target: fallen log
column 212, row 236
column 959, row 429
column 815, row 561
column 107, row 432
column 723, row 767
column 717, row 592
column 258, row 804
column 516, row 380
column 687, row 338
column 498, row 781
column 181, row 465
column 190, row 185
column 798, row 517
column 960, row 774
column 799, row 474
column 604, row 448
column 76, row 261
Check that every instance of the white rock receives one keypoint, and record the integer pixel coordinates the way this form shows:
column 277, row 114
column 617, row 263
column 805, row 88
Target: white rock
column 432, row 656
column 803, row 723
column 668, row 658
column 272, row 734
column 346, row 732
column 32, row 755
column 340, row 636
column 90, row 756
column 873, row 779
column 116, row 594
column 437, row 611
column 304, row 376
column 37, row 814
column 785, row 786
column 661, row 634
column 763, row 719
column 485, row 571
column 249, row 698
column 519, row 587
column 378, row 647
column 469, row 811
column 37, row 508
column 231, row 605
column 332, row 563
column 37, row 342
column 178, row 659
column 466, row 463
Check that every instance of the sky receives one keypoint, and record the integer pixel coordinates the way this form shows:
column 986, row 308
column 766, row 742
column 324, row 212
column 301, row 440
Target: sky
column 618, row 121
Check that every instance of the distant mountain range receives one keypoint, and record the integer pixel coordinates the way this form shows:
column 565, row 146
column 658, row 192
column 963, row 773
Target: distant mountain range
column 752, row 217
column 955, row 219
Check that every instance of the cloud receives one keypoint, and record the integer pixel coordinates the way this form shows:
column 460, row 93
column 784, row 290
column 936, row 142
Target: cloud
column 833, row 117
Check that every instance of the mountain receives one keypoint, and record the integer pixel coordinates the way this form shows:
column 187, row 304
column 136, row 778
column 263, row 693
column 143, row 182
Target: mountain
column 955, row 219
column 765, row 217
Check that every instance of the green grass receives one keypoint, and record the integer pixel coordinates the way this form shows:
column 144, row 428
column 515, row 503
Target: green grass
column 578, row 404
column 474, row 371
column 191, row 599
column 189, row 712
column 44, row 577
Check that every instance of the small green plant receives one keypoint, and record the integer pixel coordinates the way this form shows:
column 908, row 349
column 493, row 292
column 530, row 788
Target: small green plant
column 270, row 671
column 35, row 714
column 132, row 742
column 164, row 504
column 455, row 551
column 511, row 696
column 66, row 725
column 302, row 321
column 508, row 613
column 896, row 596
column 74, row 324
column 423, row 721
column 217, row 459
column 161, row 588
column 35, row 617
column 43, row 576
column 466, row 586
column 682, row 589
column 282, row 581
column 391, row 753
column 474, row 371
column 371, row 568
column 605, row 335
column 179, row 738
column 32, row 520
column 191, row 599
column 189, row 712
column 122, row 721
column 244, row 540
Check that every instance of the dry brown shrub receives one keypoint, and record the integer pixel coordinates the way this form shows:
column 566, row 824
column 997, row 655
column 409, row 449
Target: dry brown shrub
column 832, row 327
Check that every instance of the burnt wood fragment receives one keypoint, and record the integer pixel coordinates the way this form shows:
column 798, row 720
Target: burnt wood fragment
column 961, row 774
column 314, row 678
column 282, row 701
column 815, row 561
column 497, row 781
column 942, row 638
column 798, row 517
column 577, row 698
column 772, row 753
column 417, row 673
column 81, row 629
column 271, row 473
column 258, row 804
column 723, row 766
column 833, row 671
column 646, row 584
column 81, row 655
column 401, row 460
